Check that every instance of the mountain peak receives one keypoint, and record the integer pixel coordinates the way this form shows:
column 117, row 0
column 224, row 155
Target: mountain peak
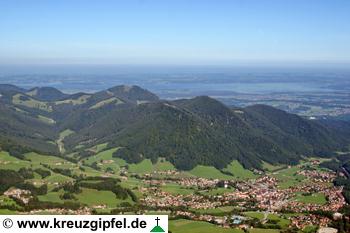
column 133, row 94
column 10, row 87
column 205, row 105
column 46, row 93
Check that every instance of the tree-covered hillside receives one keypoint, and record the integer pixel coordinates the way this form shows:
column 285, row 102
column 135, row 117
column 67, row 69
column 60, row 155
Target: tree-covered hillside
column 188, row 132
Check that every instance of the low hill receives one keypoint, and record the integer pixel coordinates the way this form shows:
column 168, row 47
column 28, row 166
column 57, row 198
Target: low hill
column 46, row 94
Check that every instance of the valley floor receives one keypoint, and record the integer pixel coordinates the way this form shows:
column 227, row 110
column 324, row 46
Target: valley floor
column 298, row 198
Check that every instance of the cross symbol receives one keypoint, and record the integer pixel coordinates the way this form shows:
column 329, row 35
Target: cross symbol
column 157, row 219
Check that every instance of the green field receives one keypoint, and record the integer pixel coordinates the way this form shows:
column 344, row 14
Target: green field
column 6, row 201
column 37, row 159
column 258, row 215
column 256, row 230
column 106, row 160
column 7, row 212
column 272, row 167
column 238, row 171
column 315, row 198
column 51, row 197
column 145, row 166
column 218, row 191
column 46, row 120
column 163, row 165
column 20, row 99
column 187, row 226
column 287, row 177
column 81, row 100
column 107, row 101
column 282, row 222
column 176, row 189
column 209, row 173
column 216, row 211
column 104, row 155
column 66, row 133
column 60, row 139
column 93, row 197
column 133, row 184
column 99, row 148
column 10, row 162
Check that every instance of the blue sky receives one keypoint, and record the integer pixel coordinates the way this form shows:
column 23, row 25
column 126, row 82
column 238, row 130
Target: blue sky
column 174, row 31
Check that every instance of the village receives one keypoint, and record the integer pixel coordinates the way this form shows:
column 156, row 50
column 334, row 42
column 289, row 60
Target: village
column 261, row 195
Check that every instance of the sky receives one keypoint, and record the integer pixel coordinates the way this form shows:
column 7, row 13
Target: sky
column 179, row 32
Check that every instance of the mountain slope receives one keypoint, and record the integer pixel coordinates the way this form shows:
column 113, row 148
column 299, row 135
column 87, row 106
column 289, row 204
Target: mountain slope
column 186, row 132
column 46, row 94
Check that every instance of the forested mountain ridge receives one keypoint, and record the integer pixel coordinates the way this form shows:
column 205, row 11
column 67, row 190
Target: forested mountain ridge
column 186, row 132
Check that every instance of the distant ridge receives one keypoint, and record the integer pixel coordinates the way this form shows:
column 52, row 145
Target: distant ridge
column 187, row 132
column 46, row 93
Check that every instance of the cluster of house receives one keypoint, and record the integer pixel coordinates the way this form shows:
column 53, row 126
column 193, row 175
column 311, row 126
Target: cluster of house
column 19, row 194
column 203, row 217
column 301, row 221
column 198, row 182
column 264, row 192
column 318, row 176
column 161, row 199
column 334, row 196
column 81, row 211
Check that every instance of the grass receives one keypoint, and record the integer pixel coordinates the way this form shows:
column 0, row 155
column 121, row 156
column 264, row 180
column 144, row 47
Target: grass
column 6, row 201
column 7, row 212
column 287, row 177
column 81, row 100
column 66, row 133
column 46, row 120
column 57, row 178
column 163, row 165
column 177, row 189
column 104, row 155
column 11, row 163
column 106, row 160
column 310, row 228
column 48, row 159
column 257, row 230
column 37, row 159
column 31, row 103
column 238, row 171
column 60, row 139
column 51, row 197
column 271, row 167
column 252, row 214
column 133, row 184
column 216, row 211
column 315, row 198
column 98, row 148
column 218, row 191
column 145, row 166
column 107, row 101
column 92, row 197
column 209, row 173
column 282, row 222
column 187, row 226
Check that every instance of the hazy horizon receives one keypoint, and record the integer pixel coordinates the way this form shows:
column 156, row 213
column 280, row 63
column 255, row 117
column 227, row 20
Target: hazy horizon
column 108, row 69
